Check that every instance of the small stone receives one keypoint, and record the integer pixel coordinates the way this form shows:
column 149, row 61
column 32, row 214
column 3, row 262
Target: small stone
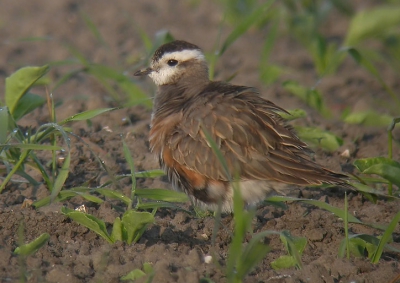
column 345, row 153
column 208, row 259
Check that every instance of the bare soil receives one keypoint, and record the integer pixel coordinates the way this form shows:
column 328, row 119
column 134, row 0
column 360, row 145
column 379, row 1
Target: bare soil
column 178, row 241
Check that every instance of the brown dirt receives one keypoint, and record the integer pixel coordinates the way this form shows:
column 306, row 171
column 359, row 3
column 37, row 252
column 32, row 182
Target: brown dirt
column 177, row 243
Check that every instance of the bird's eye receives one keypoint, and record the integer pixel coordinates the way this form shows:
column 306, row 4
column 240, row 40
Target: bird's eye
column 172, row 62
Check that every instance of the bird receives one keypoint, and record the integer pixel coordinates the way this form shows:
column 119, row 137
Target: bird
column 262, row 154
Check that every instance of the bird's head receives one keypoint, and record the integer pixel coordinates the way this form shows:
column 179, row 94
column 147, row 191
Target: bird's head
column 176, row 61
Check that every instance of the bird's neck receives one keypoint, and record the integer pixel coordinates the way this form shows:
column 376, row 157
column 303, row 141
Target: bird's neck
column 172, row 98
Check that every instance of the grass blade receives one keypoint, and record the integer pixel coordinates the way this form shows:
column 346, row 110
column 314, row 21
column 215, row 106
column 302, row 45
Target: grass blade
column 87, row 115
column 114, row 195
column 385, row 238
column 61, row 178
column 243, row 26
column 34, row 246
column 31, row 146
column 162, row 195
column 129, row 159
column 3, row 124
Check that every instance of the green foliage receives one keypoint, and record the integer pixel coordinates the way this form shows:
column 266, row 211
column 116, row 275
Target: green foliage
column 381, row 166
column 367, row 118
column 241, row 260
column 18, row 85
column 17, row 147
column 147, row 270
column 293, row 114
column 295, row 247
column 319, row 138
column 312, row 97
column 129, row 229
column 372, row 23
column 34, row 246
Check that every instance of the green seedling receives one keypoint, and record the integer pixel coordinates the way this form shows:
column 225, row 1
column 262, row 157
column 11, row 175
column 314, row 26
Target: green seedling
column 312, row 97
column 361, row 245
column 244, row 25
column 372, row 23
column 293, row 114
column 384, row 167
column 17, row 147
column 367, row 118
column 316, row 137
column 362, row 60
column 135, row 274
column 134, row 221
column 128, row 229
column 295, row 247
column 34, row 246
column 269, row 73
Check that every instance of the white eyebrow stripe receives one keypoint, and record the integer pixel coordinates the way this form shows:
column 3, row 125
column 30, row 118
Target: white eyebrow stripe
column 184, row 55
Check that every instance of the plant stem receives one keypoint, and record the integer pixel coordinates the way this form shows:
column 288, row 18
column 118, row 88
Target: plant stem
column 346, row 226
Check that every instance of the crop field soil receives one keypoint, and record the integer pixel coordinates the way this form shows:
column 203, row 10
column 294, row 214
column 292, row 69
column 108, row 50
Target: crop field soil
column 180, row 245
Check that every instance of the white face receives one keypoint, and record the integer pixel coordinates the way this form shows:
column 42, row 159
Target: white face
column 163, row 73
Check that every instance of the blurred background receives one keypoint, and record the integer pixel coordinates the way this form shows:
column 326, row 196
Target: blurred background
column 333, row 64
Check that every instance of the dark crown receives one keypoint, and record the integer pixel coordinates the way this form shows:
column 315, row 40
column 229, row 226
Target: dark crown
column 177, row 45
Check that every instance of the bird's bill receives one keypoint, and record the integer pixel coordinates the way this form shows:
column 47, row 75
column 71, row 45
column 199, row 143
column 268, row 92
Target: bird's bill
column 143, row 72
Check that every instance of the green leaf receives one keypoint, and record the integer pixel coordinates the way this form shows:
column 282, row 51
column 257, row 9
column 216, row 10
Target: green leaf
column 319, row 138
column 61, row 178
column 32, row 146
column 299, row 243
column 96, row 225
column 116, row 234
column 91, row 198
column 3, row 124
column 63, row 195
column 283, row 262
column 129, row 159
column 133, row 275
column 34, row 246
column 382, row 166
column 150, row 173
column 369, row 190
column 20, row 82
column 162, row 195
column 87, row 115
column 134, row 221
column 27, row 104
column 113, row 194
column 372, row 23
column 293, row 114
column 158, row 204
column 147, row 268
column 337, row 211
column 386, row 171
column 312, row 97
column 368, row 118
column 252, row 255
column 364, row 163
column 364, row 61
column 295, row 246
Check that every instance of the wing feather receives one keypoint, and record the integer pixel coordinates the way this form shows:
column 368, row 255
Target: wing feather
column 254, row 139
